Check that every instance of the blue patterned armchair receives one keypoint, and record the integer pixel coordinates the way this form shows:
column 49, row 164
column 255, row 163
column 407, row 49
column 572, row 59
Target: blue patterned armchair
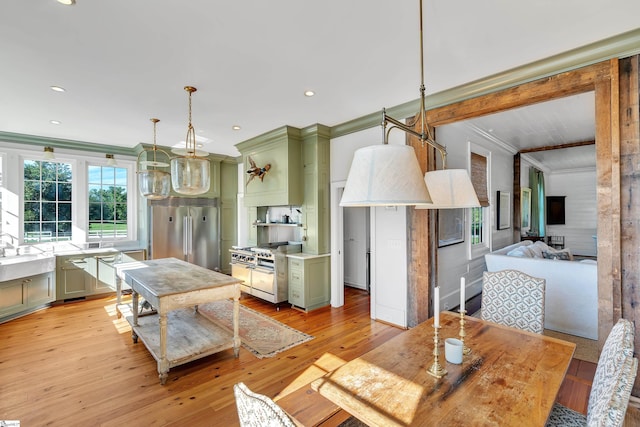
column 612, row 384
column 513, row 298
column 257, row 410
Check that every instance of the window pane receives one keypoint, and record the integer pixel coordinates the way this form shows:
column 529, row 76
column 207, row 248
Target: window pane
column 94, row 193
column 121, row 177
column 64, row 172
column 108, row 175
column 95, row 211
column 32, row 190
column 64, row 211
column 32, row 211
column 49, row 192
column 49, row 171
column 31, row 170
column 64, row 192
column 94, row 175
column 121, row 212
column 107, row 212
column 48, row 211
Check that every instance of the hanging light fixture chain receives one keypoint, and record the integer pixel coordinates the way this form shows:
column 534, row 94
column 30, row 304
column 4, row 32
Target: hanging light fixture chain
column 191, row 133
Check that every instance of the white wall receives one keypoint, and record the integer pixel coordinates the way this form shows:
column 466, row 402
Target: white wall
column 580, row 209
column 456, row 261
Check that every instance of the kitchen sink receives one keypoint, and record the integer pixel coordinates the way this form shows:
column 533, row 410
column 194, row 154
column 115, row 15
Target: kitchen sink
column 17, row 266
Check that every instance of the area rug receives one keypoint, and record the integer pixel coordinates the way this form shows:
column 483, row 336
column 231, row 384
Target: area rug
column 260, row 334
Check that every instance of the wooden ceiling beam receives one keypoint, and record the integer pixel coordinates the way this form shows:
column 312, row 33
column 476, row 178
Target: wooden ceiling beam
column 557, row 147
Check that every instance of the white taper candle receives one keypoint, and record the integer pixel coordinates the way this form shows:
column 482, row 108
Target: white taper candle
column 436, row 306
column 463, row 298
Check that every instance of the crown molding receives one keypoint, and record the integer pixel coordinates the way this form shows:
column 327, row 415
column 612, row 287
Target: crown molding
column 619, row 46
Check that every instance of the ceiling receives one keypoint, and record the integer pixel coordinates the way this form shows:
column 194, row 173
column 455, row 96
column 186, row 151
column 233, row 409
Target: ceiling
column 546, row 124
column 123, row 62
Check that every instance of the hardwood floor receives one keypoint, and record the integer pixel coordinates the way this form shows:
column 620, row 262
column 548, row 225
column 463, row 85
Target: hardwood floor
column 76, row 365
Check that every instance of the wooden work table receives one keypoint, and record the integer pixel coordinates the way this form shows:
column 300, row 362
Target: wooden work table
column 178, row 334
column 511, row 377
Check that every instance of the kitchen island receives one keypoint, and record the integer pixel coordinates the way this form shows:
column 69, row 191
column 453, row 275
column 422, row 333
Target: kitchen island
column 177, row 333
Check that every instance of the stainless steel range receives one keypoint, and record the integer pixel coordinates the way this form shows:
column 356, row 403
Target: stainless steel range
column 263, row 269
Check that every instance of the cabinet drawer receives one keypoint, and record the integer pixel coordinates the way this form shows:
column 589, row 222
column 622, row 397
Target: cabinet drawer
column 296, row 263
column 296, row 295
column 295, row 277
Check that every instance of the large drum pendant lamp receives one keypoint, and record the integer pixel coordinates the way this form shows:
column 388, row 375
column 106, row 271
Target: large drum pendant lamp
column 189, row 172
column 154, row 184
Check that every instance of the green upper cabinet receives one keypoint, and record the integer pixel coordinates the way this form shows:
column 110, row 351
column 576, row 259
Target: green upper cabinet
column 279, row 151
column 228, row 212
column 315, row 150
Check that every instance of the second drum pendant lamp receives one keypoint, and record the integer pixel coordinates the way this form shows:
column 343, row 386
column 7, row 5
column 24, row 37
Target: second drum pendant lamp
column 190, row 173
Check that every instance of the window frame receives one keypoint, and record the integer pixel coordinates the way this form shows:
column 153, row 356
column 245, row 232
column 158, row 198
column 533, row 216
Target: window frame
column 131, row 190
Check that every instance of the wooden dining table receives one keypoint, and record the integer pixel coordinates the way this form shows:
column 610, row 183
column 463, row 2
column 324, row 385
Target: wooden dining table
column 511, row 377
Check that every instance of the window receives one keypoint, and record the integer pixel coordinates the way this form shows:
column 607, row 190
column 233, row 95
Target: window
column 479, row 240
column 107, row 203
column 47, row 201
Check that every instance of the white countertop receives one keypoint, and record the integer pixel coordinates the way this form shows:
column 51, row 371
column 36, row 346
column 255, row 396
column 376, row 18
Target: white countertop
column 301, row 255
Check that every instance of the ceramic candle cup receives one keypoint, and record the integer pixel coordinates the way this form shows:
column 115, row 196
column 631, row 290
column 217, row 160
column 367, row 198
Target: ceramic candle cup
column 453, row 350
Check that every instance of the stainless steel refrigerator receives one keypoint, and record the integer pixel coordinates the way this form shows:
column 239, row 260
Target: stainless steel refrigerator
column 187, row 229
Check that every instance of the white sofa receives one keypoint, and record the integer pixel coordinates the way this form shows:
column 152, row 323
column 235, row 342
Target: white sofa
column 571, row 293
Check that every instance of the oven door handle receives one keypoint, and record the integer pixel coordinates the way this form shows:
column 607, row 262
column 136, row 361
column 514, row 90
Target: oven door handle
column 263, row 270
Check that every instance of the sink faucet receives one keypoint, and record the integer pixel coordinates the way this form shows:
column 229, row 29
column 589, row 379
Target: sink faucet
column 5, row 241
column 5, row 244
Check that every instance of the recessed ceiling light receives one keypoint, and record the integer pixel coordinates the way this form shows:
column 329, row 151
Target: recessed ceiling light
column 236, row 127
column 57, row 89
column 55, row 122
column 67, row 2
column 309, row 93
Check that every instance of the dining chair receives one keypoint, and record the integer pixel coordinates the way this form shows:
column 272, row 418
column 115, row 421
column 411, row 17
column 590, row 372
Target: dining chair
column 611, row 387
column 513, row 298
column 257, row 410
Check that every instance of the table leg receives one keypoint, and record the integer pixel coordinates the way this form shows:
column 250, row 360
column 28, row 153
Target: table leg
column 236, row 323
column 118, row 296
column 163, row 364
column 134, row 302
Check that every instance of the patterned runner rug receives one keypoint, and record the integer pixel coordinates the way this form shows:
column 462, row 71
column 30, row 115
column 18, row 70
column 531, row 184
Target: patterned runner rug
column 260, row 334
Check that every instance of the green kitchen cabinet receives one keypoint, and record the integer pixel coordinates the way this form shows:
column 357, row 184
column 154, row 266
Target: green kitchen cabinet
column 22, row 295
column 280, row 152
column 228, row 212
column 316, row 208
column 309, row 280
column 77, row 275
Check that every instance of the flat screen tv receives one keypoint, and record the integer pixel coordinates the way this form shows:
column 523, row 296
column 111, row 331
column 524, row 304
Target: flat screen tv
column 555, row 210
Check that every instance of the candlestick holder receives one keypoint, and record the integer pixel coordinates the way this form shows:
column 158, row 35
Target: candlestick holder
column 436, row 368
column 465, row 350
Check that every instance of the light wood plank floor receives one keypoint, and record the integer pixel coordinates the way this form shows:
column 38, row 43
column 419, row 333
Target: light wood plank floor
column 76, row 365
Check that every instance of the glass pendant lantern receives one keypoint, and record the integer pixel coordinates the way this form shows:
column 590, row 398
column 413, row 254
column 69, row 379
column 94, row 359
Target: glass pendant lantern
column 190, row 172
column 154, row 184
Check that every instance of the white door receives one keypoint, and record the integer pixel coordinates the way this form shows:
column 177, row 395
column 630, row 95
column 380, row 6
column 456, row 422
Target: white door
column 356, row 244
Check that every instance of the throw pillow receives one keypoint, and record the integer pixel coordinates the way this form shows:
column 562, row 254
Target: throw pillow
column 538, row 249
column 561, row 255
column 521, row 252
